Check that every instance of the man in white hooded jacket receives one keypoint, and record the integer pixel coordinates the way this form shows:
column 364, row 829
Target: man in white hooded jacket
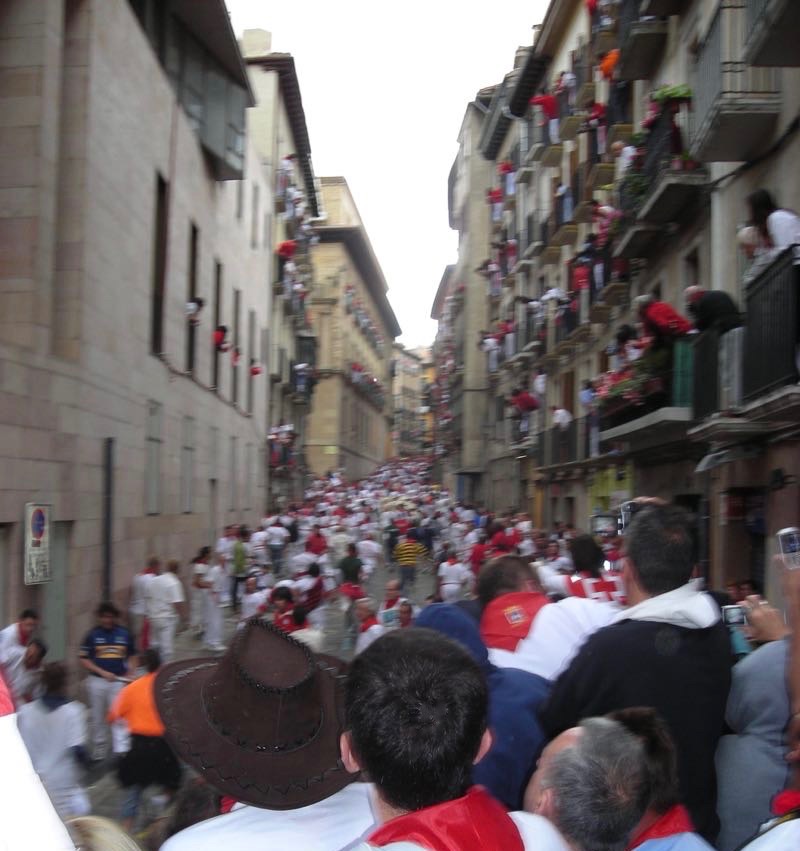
column 668, row 650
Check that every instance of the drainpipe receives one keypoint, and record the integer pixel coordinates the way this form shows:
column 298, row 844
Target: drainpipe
column 108, row 513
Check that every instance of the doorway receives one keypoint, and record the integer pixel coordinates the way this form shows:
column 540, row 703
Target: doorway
column 54, row 592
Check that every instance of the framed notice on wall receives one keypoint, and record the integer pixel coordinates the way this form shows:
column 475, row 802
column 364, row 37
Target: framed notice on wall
column 37, row 543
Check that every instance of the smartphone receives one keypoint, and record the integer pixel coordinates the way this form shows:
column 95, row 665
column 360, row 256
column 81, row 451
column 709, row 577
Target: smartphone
column 734, row 615
column 789, row 546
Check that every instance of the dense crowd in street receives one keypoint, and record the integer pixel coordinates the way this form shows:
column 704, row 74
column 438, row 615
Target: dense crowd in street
column 557, row 690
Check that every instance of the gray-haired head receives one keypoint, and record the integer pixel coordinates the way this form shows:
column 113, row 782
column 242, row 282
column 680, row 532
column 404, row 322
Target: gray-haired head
column 599, row 786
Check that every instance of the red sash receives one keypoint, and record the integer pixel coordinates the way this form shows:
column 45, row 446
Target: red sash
column 675, row 820
column 373, row 621
column 474, row 821
column 785, row 802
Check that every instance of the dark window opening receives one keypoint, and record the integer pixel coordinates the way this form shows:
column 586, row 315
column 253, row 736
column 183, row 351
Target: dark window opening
column 159, row 266
column 191, row 325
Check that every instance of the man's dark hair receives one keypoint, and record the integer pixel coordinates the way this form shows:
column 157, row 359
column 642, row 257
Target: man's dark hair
column 660, row 546
column 37, row 642
column 313, row 570
column 416, row 707
column 351, row 549
column 587, row 557
column 107, row 608
column 662, row 761
column 282, row 593
column 503, row 576
column 29, row 613
column 151, row 659
column 299, row 615
column 54, row 678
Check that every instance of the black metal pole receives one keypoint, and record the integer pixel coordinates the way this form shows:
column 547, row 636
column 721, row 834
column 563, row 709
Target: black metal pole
column 108, row 513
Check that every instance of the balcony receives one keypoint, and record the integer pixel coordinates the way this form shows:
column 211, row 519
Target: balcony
column 772, row 27
column 641, row 42
column 664, row 8
column 652, row 400
column 675, row 182
column 538, row 135
column 565, row 230
column 736, row 105
column 771, row 333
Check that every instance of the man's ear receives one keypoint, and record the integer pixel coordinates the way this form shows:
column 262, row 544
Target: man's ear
column 349, row 759
column 546, row 804
column 487, row 740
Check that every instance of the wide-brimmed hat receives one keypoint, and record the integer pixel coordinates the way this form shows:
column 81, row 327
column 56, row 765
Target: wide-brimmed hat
column 261, row 723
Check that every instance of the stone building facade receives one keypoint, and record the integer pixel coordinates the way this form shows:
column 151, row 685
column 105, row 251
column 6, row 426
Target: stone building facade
column 129, row 187
column 351, row 419
column 408, row 430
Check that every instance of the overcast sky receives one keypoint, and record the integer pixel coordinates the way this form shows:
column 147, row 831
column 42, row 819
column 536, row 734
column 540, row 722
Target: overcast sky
column 384, row 90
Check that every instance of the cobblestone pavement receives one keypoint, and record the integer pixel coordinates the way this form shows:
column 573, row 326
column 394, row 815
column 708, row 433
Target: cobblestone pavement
column 104, row 790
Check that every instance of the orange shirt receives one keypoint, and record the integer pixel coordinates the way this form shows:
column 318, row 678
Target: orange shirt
column 136, row 705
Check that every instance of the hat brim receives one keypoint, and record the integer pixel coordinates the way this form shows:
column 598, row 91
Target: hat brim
column 270, row 780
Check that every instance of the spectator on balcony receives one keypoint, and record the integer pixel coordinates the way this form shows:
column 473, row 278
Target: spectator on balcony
column 540, row 386
column 495, row 199
column 561, row 417
column 490, row 345
column 506, row 337
column 549, row 106
column 660, row 320
column 778, row 228
column 525, row 404
column 507, row 174
column 712, row 308
column 608, row 62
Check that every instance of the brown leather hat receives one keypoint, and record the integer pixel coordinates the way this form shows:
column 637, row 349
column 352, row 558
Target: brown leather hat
column 261, row 723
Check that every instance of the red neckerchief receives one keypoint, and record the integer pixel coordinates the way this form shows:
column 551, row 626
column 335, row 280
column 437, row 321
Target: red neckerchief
column 474, row 821
column 675, row 820
column 390, row 603
column 784, row 802
column 370, row 621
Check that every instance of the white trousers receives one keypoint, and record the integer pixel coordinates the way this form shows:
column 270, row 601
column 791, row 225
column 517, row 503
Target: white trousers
column 316, row 617
column 162, row 636
column 102, row 694
column 213, row 634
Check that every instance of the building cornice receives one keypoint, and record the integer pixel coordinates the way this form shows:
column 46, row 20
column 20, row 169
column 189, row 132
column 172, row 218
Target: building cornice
column 358, row 246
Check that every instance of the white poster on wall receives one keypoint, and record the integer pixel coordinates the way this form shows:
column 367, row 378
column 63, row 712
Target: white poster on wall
column 37, row 543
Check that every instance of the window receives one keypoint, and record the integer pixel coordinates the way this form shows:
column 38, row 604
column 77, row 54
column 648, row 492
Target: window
column 217, row 321
column 691, row 269
column 251, row 356
column 239, row 199
column 187, row 464
column 237, row 300
column 191, row 294
column 213, row 453
column 159, row 266
column 248, row 476
column 232, row 472
column 152, row 471
column 254, row 219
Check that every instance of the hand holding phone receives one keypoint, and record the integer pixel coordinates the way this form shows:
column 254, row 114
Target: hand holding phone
column 789, row 546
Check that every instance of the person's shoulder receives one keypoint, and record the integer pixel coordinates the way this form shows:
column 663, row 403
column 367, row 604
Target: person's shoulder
column 538, row 833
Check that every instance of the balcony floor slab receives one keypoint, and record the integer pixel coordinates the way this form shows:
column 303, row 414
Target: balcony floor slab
column 736, row 129
column 673, row 192
column 642, row 49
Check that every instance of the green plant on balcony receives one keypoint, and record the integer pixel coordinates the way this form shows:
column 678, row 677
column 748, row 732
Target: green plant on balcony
column 680, row 94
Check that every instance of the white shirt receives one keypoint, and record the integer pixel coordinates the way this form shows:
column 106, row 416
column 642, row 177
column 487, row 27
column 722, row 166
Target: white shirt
column 369, row 552
column 562, row 418
column 252, row 602
column 784, row 229
column 334, row 824
column 138, row 604
column 453, row 575
column 277, row 536
column 12, row 652
column 49, row 737
column 312, row 638
column 367, row 637
column 164, row 590
column 216, row 577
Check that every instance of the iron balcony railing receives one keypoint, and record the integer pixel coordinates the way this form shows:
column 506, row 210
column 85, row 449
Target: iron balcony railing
column 705, row 395
column 771, row 332
column 563, row 444
column 720, row 71
column 628, row 16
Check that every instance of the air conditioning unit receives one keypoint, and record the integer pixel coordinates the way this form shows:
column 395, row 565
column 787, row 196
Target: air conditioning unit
column 731, row 354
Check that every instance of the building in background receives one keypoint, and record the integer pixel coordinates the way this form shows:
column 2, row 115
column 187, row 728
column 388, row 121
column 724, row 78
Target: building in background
column 622, row 178
column 279, row 132
column 350, row 424
column 134, row 273
column 407, row 381
column 461, row 309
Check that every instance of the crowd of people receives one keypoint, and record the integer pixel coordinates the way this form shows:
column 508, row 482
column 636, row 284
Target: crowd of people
column 554, row 690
